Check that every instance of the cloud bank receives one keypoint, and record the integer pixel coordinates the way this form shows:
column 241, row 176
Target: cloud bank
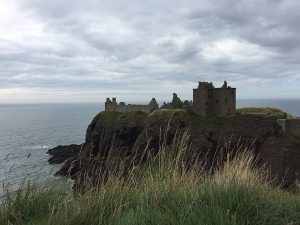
column 69, row 51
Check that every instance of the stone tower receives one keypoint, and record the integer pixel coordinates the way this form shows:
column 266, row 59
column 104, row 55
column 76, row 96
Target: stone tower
column 110, row 105
column 211, row 101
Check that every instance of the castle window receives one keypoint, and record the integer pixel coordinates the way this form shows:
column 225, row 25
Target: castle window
column 232, row 92
column 217, row 101
column 226, row 100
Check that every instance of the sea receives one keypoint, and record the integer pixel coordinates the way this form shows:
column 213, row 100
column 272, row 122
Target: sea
column 28, row 131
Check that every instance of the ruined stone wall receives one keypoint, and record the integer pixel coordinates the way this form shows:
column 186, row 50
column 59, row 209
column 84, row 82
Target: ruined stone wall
column 122, row 107
column 291, row 126
column 224, row 101
column 110, row 105
column 201, row 101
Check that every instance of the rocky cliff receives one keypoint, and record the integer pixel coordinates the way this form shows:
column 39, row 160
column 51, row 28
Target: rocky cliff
column 115, row 138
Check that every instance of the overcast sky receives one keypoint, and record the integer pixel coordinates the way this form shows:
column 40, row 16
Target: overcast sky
column 84, row 51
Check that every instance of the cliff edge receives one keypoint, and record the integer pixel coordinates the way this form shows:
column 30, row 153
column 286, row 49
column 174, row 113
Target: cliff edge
column 113, row 138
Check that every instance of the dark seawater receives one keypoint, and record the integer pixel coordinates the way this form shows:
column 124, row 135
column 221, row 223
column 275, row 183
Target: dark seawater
column 28, row 131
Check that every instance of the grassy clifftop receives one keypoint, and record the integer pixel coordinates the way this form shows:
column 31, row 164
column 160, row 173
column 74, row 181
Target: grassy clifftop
column 278, row 113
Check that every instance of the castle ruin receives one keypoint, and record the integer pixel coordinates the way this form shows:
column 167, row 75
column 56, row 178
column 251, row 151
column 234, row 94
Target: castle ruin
column 112, row 105
column 211, row 101
column 207, row 101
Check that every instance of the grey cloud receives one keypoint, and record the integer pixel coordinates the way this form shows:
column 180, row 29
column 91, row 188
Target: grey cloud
column 129, row 45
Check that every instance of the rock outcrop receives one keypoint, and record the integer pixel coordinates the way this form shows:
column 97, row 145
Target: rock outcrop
column 61, row 153
column 115, row 138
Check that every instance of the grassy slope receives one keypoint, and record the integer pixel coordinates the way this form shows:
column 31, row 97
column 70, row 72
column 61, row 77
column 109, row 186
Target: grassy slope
column 162, row 192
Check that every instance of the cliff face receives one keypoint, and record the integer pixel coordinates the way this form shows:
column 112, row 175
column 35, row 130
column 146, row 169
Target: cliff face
column 113, row 138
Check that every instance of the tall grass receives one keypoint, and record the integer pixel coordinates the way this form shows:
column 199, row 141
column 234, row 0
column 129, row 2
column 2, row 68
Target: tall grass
column 168, row 189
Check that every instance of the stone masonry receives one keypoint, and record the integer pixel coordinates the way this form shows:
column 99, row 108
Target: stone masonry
column 211, row 101
column 112, row 105
column 291, row 126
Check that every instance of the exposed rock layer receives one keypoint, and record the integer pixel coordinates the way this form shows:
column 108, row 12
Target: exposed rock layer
column 61, row 153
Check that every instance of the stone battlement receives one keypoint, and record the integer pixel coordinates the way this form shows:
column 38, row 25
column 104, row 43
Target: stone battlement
column 112, row 105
